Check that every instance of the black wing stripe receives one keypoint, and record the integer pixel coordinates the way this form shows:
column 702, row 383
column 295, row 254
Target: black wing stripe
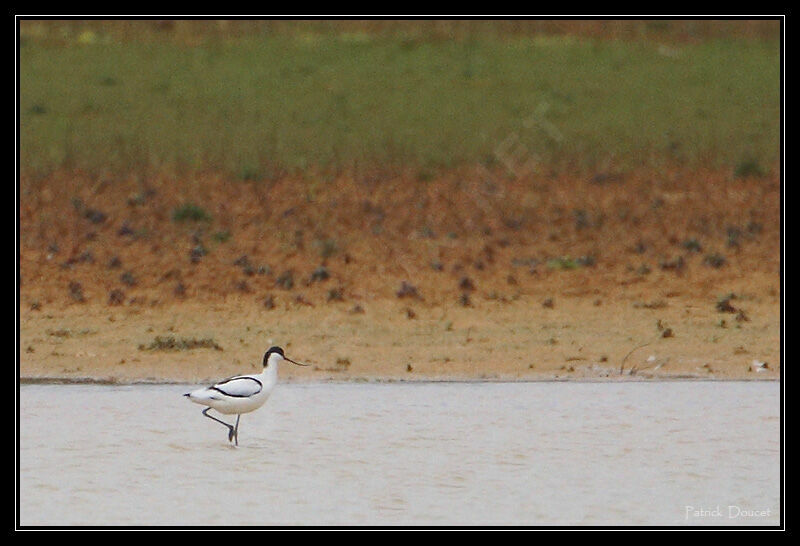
column 218, row 385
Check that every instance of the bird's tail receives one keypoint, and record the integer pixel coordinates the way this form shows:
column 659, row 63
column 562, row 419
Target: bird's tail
column 200, row 396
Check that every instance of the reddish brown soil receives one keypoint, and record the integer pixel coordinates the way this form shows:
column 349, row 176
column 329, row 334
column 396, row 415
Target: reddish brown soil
column 490, row 290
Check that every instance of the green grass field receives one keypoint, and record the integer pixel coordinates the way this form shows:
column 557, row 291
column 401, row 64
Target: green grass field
column 256, row 105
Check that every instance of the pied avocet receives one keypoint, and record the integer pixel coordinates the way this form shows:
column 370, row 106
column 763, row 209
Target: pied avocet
column 242, row 393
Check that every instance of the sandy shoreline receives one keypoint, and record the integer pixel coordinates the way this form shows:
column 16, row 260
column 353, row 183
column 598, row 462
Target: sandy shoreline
column 576, row 340
column 622, row 379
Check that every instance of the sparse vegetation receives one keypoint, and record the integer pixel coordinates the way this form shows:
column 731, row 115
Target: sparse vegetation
column 749, row 167
column 336, row 294
column 724, row 303
column 285, row 280
column 171, row 343
column 320, row 274
column 715, row 260
column 326, row 247
column 128, row 278
column 189, row 212
column 407, row 290
column 76, row 292
column 221, row 236
column 567, row 263
column 116, row 297
column 197, row 252
column 692, row 245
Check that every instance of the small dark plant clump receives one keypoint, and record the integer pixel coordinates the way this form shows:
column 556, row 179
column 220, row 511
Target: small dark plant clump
column 548, row 303
column 675, row 265
column 567, row 263
column 249, row 172
column 724, row 304
column 581, row 219
column 128, row 278
column 221, row 236
column 749, row 167
column 714, row 260
column 171, row 343
column 95, row 216
column 734, row 236
column 190, row 212
column 562, row 263
column 126, row 230
column 692, row 245
column 606, row 178
column 86, row 257
column 141, row 197
column 196, row 253
column 342, row 363
column 285, row 280
column 116, row 297
column 243, row 261
column 326, row 247
column 248, row 268
column 336, row 294
column 754, row 228
column 243, row 287
column 466, row 284
column 76, row 292
column 497, row 296
column 530, row 263
column 320, row 274
column 407, row 290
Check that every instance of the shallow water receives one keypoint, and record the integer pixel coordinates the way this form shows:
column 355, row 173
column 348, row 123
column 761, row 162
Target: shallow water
column 405, row 454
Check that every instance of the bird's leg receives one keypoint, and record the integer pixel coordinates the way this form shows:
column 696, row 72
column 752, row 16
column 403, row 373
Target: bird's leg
column 230, row 427
column 236, row 430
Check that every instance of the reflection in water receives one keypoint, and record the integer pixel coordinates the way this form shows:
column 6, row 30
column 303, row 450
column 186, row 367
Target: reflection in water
column 404, row 454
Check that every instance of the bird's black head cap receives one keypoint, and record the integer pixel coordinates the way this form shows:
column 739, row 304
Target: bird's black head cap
column 270, row 352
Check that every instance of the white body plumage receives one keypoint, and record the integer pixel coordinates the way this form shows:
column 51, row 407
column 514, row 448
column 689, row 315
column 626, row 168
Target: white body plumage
column 239, row 394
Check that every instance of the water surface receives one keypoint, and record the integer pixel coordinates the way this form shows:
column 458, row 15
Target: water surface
column 672, row 453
